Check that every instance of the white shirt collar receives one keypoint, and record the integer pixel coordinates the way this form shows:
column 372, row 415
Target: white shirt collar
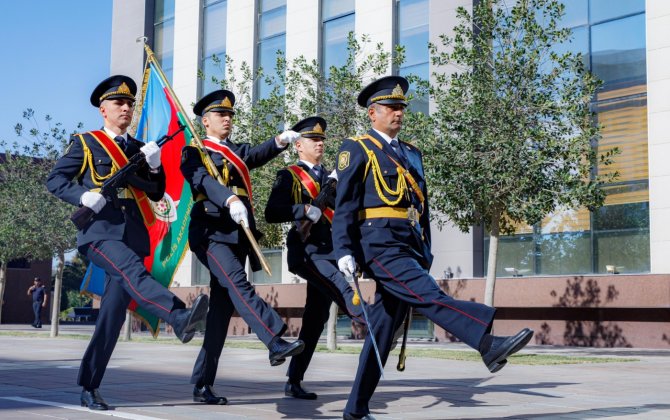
column 216, row 139
column 385, row 136
column 309, row 165
column 112, row 134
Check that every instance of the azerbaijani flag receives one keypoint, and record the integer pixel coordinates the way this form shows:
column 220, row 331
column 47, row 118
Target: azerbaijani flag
column 169, row 234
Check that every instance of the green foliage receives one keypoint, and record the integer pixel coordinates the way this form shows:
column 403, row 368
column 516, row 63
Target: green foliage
column 299, row 89
column 74, row 299
column 515, row 135
column 73, row 273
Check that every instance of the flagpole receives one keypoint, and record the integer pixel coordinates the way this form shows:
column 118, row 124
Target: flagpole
column 207, row 160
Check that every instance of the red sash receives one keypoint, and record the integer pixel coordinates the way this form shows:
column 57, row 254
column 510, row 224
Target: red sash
column 120, row 160
column 235, row 160
column 312, row 187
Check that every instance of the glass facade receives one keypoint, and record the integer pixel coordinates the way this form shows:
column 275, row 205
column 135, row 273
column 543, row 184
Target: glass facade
column 271, row 39
column 615, row 238
column 337, row 21
column 214, row 21
column 163, row 38
column 273, row 257
column 412, row 33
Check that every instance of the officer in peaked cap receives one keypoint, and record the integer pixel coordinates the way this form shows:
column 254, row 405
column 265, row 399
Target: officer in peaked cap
column 116, row 237
column 218, row 101
column 382, row 225
column 218, row 240
column 114, row 87
column 309, row 243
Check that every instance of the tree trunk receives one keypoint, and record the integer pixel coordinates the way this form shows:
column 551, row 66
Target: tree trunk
column 331, row 336
column 3, row 280
column 55, row 300
column 493, row 259
column 127, row 326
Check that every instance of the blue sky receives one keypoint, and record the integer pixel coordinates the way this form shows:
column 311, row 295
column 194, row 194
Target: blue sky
column 53, row 54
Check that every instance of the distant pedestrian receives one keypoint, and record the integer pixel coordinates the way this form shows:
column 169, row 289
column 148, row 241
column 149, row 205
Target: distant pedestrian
column 39, row 293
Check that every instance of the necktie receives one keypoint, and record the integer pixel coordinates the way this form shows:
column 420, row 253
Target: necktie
column 401, row 153
column 317, row 171
column 121, row 142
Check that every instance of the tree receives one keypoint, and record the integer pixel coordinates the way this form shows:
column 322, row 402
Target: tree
column 37, row 223
column 515, row 137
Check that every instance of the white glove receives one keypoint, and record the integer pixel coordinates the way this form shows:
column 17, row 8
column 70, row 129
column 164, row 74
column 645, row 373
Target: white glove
column 93, row 200
column 333, row 175
column 313, row 213
column 288, row 137
column 347, row 265
column 152, row 153
column 238, row 212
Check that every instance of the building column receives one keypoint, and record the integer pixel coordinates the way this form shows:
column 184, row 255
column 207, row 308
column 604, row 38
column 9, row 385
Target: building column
column 658, row 114
column 128, row 23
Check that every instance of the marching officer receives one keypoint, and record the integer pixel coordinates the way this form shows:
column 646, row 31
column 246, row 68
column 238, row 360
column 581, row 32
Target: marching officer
column 382, row 224
column 219, row 242
column 309, row 243
column 116, row 238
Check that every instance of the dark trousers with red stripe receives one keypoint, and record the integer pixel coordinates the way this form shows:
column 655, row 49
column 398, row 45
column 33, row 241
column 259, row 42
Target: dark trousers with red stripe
column 402, row 282
column 230, row 290
column 126, row 279
column 325, row 284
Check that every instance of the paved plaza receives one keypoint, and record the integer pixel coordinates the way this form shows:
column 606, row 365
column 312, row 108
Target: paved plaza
column 150, row 381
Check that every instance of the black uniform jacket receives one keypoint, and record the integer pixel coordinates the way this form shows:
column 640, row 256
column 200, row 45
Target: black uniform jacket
column 282, row 208
column 356, row 190
column 116, row 221
column 210, row 217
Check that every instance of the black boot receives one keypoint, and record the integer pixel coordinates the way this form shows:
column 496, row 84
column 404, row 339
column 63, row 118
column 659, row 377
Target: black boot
column 293, row 389
column 185, row 322
column 93, row 400
column 280, row 349
column 496, row 350
column 205, row 394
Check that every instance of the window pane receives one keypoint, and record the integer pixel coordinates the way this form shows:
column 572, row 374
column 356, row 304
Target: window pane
column 565, row 253
column 267, row 59
column 273, row 256
column 211, row 68
column 164, row 10
column 271, row 4
column 576, row 13
column 515, row 255
column 335, row 35
column 164, row 45
column 413, row 30
column 618, row 52
column 214, row 29
column 418, row 103
column 272, row 23
column 625, row 252
column 624, row 122
column 332, row 8
column 609, row 9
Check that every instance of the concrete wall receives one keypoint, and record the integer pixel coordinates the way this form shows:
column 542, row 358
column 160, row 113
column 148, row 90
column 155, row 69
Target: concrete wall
column 593, row 311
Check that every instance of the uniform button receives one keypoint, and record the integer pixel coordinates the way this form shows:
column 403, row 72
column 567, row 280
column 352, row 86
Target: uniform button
column 123, row 208
column 369, row 223
column 386, row 172
column 206, row 209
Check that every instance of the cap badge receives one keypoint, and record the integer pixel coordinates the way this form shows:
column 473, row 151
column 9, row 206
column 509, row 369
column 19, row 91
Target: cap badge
column 397, row 91
column 318, row 129
column 226, row 103
column 124, row 89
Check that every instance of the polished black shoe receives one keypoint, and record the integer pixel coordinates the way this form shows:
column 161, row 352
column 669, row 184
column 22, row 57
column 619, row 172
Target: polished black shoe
column 347, row 416
column 503, row 347
column 296, row 391
column 93, row 400
column 187, row 321
column 280, row 349
column 206, row 395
